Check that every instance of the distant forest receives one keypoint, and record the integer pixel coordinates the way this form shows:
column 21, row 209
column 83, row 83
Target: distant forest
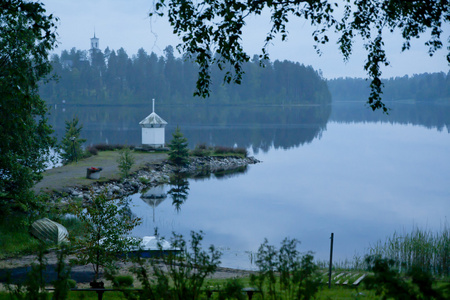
column 434, row 87
column 110, row 78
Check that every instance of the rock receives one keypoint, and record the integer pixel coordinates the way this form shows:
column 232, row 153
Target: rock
column 199, row 166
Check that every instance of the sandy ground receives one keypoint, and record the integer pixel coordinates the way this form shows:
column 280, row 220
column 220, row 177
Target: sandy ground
column 19, row 267
column 74, row 174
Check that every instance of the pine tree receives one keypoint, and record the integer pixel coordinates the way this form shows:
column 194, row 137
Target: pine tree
column 179, row 152
column 71, row 143
column 125, row 161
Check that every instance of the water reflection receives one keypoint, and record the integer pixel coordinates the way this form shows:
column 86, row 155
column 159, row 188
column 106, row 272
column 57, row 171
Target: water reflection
column 431, row 116
column 154, row 197
column 256, row 127
column 360, row 181
column 179, row 187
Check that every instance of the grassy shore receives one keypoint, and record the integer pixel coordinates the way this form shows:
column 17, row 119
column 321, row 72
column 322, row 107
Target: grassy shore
column 74, row 174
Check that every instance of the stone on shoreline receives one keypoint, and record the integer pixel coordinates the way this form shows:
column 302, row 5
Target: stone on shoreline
column 144, row 179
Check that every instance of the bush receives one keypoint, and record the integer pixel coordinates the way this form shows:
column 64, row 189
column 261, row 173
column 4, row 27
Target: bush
column 222, row 149
column 144, row 180
column 108, row 147
column 202, row 146
column 179, row 276
column 201, row 150
column 121, row 281
column 285, row 273
column 125, row 161
column 92, row 150
column 230, row 150
column 72, row 283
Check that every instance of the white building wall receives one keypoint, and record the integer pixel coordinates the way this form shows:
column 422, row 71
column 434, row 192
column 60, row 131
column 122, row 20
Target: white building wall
column 153, row 136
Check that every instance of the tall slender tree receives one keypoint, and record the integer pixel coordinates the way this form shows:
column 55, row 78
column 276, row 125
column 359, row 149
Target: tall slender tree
column 71, row 143
column 27, row 34
column 179, row 152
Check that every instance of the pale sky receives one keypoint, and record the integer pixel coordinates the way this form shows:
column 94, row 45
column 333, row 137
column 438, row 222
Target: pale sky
column 125, row 23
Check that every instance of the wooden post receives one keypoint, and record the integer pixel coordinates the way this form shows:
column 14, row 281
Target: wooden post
column 331, row 261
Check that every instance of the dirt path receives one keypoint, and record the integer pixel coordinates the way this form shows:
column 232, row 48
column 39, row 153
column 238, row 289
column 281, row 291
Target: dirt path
column 74, row 174
column 19, row 267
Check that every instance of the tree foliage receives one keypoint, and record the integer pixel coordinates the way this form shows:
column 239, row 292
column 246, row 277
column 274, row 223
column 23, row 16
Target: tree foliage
column 108, row 224
column 285, row 273
column 113, row 77
column 211, row 31
column 71, row 143
column 427, row 88
column 180, row 276
column 125, row 161
column 27, row 35
column 388, row 283
column 179, row 189
column 179, row 152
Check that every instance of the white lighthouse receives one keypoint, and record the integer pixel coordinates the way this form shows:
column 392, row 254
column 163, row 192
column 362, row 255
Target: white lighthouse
column 153, row 130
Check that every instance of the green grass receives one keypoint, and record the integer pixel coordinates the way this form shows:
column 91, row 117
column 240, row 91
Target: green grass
column 324, row 293
column 15, row 238
column 218, row 151
column 14, row 243
column 421, row 248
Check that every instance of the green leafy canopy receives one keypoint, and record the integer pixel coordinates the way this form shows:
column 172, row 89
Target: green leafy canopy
column 27, row 35
column 211, row 31
column 108, row 224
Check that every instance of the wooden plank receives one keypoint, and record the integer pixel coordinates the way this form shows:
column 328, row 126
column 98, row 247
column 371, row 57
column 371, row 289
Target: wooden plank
column 337, row 277
column 358, row 281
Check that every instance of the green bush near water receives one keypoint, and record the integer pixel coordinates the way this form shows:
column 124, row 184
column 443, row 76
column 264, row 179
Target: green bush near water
column 202, row 150
column 423, row 249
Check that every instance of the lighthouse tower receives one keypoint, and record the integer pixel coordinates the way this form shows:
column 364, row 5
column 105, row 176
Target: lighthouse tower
column 153, row 130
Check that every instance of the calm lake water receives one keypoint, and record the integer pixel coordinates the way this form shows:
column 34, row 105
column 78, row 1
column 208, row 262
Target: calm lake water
column 340, row 169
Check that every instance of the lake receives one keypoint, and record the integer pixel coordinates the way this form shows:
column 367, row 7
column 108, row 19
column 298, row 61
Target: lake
column 341, row 169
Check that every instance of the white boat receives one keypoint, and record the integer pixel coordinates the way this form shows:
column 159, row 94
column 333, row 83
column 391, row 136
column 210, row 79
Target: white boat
column 152, row 246
column 49, row 231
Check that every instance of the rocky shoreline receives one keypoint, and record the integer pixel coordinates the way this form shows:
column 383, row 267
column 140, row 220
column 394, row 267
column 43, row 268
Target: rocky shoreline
column 154, row 175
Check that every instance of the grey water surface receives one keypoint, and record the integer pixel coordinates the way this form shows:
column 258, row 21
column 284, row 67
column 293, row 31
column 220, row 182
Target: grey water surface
column 340, row 169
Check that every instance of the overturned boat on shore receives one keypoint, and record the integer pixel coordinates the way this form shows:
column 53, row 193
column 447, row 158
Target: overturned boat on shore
column 49, row 231
column 153, row 246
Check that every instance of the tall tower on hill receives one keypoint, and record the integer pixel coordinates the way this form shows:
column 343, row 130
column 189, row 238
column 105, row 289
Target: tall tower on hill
column 94, row 42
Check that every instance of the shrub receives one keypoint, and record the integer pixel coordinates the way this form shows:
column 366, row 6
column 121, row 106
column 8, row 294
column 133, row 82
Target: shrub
column 92, row 150
column 232, row 290
column 284, row 273
column 125, row 161
column 108, row 147
column 241, row 151
column 123, row 281
column 107, row 225
column 222, row 149
column 201, row 146
column 144, row 180
column 179, row 276
column 230, row 150
column 72, row 283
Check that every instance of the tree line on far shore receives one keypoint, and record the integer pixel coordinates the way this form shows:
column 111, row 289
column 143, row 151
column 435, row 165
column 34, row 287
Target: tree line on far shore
column 426, row 87
column 113, row 77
